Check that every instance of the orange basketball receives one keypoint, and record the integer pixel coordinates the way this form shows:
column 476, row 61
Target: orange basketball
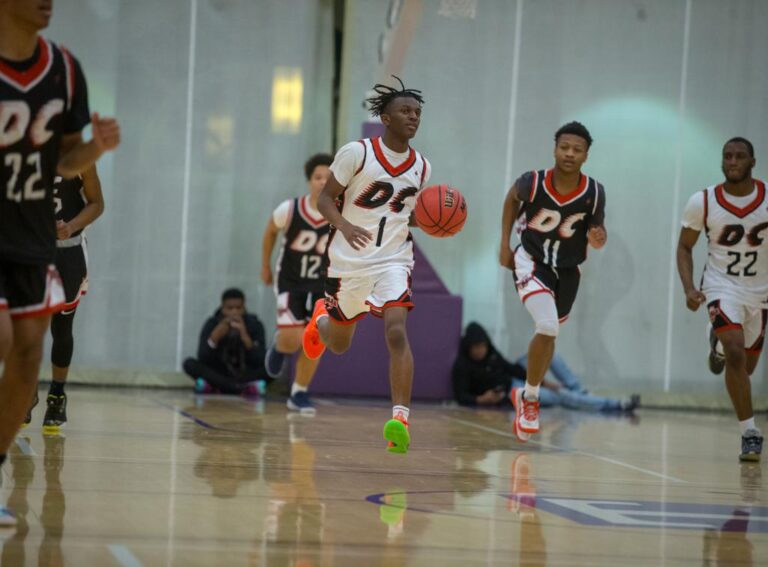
column 441, row 210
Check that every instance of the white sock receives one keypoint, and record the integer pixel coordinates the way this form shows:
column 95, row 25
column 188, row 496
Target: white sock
column 531, row 392
column 401, row 409
column 747, row 424
column 296, row 388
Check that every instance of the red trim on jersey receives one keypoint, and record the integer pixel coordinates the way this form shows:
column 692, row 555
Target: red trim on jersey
column 534, row 185
column 423, row 171
column 563, row 319
column 69, row 63
column 753, row 351
column 391, row 169
column 744, row 211
column 36, row 313
column 730, row 327
column 706, row 209
column 549, row 187
column 365, row 155
column 23, row 80
column 304, row 212
column 68, row 306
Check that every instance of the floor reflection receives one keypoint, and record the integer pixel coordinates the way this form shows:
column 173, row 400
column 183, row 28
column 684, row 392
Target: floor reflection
column 729, row 545
column 53, row 508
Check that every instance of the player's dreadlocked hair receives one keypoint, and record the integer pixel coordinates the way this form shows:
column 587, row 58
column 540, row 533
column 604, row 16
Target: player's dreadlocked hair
column 386, row 94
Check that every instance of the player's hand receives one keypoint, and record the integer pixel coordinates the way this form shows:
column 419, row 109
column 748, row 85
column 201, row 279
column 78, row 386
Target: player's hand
column 490, row 397
column 62, row 230
column 266, row 275
column 694, row 298
column 106, row 132
column 357, row 237
column 597, row 236
column 507, row 257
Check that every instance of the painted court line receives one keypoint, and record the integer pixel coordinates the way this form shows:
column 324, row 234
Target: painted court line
column 573, row 451
column 124, row 556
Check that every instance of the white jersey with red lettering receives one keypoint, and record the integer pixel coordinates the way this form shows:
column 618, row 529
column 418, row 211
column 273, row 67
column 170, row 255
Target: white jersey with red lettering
column 381, row 187
column 737, row 234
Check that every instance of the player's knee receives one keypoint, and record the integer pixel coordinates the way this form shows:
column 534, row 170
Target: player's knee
column 548, row 327
column 289, row 341
column 734, row 354
column 338, row 346
column 397, row 339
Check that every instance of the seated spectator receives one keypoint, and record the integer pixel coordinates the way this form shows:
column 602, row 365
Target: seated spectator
column 482, row 376
column 230, row 356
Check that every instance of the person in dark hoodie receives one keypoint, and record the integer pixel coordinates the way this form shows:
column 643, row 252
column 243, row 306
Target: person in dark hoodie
column 230, row 356
column 483, row 377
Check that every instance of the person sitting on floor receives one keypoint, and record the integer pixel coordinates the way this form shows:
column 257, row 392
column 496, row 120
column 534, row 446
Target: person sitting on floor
column 483, row 377
column 230, row 356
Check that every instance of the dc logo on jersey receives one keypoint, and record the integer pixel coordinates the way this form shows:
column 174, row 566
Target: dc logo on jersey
column 379, row 193
column 331, row 302
column 15, row 118
column 714, row 313
column 306, row 240
column 547, row 220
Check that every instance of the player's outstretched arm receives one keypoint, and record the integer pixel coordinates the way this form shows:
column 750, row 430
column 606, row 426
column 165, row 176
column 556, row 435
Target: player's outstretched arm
column 508, row 216
column 94, row 206
column 357, row 236
column 267, row 245
column 76, row 155
column 685, row 244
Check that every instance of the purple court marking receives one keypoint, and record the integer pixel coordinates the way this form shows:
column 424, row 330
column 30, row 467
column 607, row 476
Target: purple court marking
column 620, row 513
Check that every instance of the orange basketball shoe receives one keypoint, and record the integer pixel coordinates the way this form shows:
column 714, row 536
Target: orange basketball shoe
column 526, row 413
column 397, row 434
column 313, row 346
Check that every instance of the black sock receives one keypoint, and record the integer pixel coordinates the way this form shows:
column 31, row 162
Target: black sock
column 57, row 388
column 2, row 460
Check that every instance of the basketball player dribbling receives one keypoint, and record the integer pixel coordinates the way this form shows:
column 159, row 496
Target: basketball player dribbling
column 43, row 109
column 559, row 212
column 368, row 200
column 734, row 285
column 300, row 273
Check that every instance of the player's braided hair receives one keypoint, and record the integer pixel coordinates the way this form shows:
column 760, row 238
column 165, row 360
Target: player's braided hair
column 386, row 94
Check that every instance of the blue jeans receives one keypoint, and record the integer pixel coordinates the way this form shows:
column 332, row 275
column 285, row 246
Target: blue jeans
column 572, row 394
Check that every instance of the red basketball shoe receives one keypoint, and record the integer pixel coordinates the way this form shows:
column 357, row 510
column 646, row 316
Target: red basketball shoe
column 313, row 346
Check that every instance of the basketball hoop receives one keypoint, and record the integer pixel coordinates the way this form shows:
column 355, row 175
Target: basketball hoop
column 458, row 9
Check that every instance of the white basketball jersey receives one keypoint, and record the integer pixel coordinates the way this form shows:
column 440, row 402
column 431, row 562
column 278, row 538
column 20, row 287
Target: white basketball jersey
column 379, row 197
column 737, row 231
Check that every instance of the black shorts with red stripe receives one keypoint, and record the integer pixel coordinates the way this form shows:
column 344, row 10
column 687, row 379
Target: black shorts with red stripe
column 29, row 290
column 563, row 283
column 73, row 269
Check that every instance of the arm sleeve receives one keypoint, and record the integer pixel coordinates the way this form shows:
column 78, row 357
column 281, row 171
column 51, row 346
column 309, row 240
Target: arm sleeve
column 693, row 215
column 461, row 390
column 281, row 216
column 347, row 161
column 524, row 186
column 77, row 114
column 597, row 218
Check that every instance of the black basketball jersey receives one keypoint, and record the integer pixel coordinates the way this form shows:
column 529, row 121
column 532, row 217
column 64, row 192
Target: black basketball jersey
column 301, row 264
column 41, row 99
column 68, row 199
column 554, row 226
